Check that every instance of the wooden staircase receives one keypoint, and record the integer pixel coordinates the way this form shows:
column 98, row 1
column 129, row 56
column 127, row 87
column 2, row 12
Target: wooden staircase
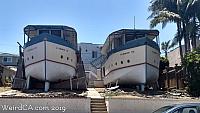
column 98, row 105
column 19, row 81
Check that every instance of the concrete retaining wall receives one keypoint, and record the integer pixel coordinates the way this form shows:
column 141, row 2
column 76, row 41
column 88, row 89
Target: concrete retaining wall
column 140, row 105
column 45, row 105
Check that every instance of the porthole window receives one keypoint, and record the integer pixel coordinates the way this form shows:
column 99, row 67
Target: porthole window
column 67, row 58
column 128, row 61
column 61, row 56
column 27, row 58
column 32, row 57
column 115, row 63
column 122, row 62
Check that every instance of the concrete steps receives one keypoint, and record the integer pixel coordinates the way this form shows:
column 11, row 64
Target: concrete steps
column 91, row 84
column 98, row 105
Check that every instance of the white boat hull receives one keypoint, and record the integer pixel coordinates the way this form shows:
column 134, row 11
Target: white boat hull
column 54, row 71
column 138, row 65
column 133, row 75
column 47, row 61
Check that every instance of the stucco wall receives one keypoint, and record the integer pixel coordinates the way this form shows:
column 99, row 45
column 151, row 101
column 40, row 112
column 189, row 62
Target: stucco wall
column 141, row 105
column 77, row 105
column 86, row 53
column 174, row 57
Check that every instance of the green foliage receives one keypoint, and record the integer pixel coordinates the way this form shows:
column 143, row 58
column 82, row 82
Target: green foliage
column 185, row 13
column 165, row 46
column 163, row 63
column 192, row 63
column 163, row 59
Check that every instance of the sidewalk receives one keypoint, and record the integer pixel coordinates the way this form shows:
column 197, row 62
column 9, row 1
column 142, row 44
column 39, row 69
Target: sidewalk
column 92, row 93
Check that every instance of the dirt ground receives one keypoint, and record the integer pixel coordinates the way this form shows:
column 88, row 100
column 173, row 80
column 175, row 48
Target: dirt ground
column 3, row 89
column 8, row 92
column 132, row 93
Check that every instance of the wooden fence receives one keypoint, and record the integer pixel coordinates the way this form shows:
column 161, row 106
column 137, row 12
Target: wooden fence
column 172, row 78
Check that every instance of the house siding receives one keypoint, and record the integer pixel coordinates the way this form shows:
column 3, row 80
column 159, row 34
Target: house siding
column 12, row 63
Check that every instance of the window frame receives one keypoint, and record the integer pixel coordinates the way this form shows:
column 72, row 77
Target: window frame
column 94, row 54
column 53, row 32
column 41, row 31
column 7, row 61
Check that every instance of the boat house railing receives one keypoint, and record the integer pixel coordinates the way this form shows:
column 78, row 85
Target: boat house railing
column 98, row 62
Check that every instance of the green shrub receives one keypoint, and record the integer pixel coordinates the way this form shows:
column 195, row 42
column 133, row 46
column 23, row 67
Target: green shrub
column 163, row 63
column 192, row 63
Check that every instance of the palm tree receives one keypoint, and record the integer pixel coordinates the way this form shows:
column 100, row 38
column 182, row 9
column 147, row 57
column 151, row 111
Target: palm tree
column 165, row 46
column 193, row 14
column 165, row 11
column 190, row 16
column 185, row 13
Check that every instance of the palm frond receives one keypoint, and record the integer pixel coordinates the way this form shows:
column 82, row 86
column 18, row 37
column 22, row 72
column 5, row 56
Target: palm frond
column 175, row 40
column 164, row 17
column 165, row 46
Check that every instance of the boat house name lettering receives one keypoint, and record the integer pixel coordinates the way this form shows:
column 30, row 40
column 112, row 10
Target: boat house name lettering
column 31, row 49
column 127, row 53
column 59, row 48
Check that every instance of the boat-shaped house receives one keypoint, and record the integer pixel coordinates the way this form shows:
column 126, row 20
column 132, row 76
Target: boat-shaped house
column 50, row 53
column 133, row 57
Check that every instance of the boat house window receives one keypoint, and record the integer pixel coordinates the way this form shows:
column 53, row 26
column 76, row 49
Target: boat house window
column 129, row 38
column 94, row 54
column 43, row 31
column 56, row 32
column 118, row 42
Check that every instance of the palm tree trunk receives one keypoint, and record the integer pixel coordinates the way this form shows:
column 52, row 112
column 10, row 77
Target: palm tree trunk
column 179, row 40
column 194, row 36
column 185, row 37
column 195, row 42
column 166, row 54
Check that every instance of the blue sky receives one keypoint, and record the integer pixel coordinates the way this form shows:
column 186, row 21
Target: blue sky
column 93, row 20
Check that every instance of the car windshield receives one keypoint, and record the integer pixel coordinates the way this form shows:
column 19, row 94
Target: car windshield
column 163, row 109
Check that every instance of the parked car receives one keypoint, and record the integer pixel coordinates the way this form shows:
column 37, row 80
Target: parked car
column 180, row 108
